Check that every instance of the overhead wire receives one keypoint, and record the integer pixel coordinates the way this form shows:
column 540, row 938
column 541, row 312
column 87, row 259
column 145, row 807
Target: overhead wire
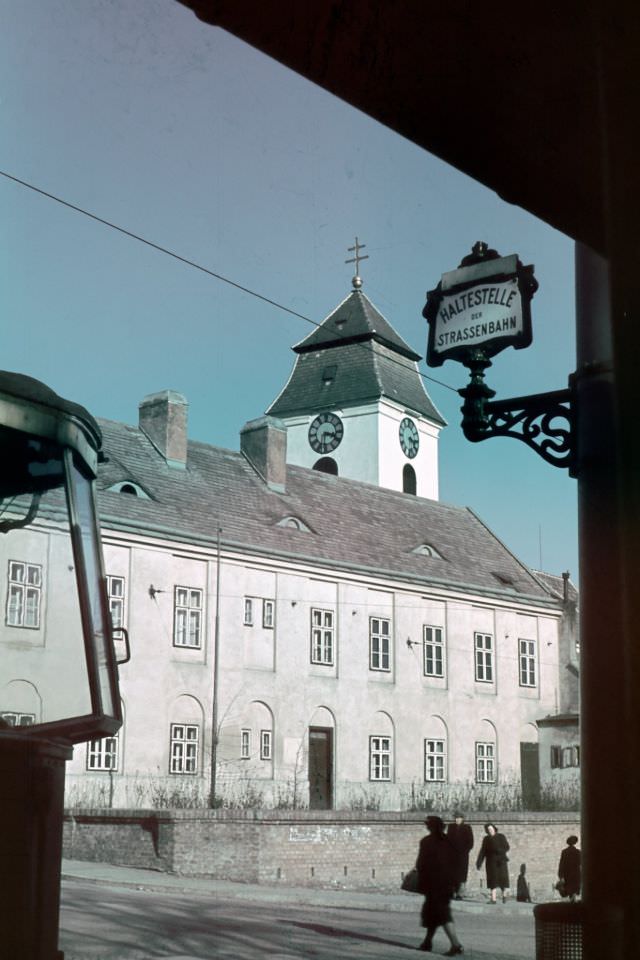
column 198, row 266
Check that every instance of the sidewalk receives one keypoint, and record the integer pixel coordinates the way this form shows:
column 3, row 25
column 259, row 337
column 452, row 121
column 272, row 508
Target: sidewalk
column 106, row 873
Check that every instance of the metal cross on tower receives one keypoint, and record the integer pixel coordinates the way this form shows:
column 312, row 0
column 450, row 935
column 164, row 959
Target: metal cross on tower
column 357, row 282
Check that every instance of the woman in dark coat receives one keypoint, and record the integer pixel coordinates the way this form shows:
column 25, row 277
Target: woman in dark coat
column 570, row 870
column 494, row 854
column 460, row 835
column 436, row 880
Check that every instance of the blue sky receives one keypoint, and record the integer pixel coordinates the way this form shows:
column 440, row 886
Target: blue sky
column 180, row 133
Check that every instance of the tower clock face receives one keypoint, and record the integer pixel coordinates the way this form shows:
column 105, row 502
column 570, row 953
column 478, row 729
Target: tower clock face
column 325, row 433
column 409, row 438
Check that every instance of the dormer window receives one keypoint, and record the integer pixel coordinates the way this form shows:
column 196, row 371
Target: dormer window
column 329, row 374
column 293, row 523
column 427, row 550
column 131, row 487
column 504, row 578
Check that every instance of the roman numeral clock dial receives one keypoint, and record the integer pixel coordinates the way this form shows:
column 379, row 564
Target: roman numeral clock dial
column 409, row 438
column 325, row 433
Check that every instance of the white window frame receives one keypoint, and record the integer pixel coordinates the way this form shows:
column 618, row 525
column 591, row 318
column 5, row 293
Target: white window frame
column 433, row 651
column 184, row 748
column 435, row 760
column 570, row 756
column 322, row 636
column 245, row 743
column 527, row 662
column 485, row 761
column 187, row 617
column 268, row 614
column 379, row 758
column 266, row 745
column 24, row 595
column 483, row 651
column 116, row 600
column 16, row 718
column 103, row 755
column 380, row 644
column 248, row 612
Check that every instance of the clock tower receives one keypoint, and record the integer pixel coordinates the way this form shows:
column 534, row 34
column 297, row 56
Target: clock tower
column 355, row 404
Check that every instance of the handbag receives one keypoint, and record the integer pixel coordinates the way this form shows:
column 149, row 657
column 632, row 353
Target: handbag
column 410, row 881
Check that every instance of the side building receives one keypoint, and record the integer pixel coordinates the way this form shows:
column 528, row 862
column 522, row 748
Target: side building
column 317, row 634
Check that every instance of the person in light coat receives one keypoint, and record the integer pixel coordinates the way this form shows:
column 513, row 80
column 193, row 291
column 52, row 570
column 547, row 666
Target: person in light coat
column 493, row 853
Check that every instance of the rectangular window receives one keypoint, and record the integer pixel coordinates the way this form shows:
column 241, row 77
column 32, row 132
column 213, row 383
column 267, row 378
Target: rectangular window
column 265, row 744
column 103, row 754
column 433, row 647
column 485, row 763
column 187, row 617
column 184, row 748
column 115, row 593
column 435, row 761
column 484, row 657
column 379, row 758
column 565, row 757
column 322, row 636
column 18, row 719
column 379, row 644
column 248, row 611
column 527, row 655
column 24, row 594
column 268, row 608
column 245, row 744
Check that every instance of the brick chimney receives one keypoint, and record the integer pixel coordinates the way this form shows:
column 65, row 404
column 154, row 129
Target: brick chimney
column 264, row 443
column 162, row 417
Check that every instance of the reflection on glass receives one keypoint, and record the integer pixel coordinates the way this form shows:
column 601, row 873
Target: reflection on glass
column 43, row 673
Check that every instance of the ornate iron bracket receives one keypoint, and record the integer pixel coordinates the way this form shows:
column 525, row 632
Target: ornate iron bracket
column 544, row 421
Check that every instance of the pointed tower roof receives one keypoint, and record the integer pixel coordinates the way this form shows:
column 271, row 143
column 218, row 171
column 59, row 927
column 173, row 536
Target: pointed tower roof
column 355, row 320
column 353, row 357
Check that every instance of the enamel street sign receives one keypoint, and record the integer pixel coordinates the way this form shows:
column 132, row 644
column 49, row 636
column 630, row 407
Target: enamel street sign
column 483, row 306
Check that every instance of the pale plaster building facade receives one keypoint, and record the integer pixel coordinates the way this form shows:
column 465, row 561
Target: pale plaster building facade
column 331, row 640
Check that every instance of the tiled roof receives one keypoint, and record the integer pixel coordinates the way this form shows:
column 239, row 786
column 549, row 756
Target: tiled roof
column 355, row 318
column 361, row 372
column 353, row 525
column 555, row 585
column 353, row 357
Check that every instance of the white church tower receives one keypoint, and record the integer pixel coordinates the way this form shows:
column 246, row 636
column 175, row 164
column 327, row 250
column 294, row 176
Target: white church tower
column 355, row 404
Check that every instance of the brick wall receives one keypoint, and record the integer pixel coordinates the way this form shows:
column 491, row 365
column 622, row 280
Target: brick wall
column 134, row 838
column 344, row 850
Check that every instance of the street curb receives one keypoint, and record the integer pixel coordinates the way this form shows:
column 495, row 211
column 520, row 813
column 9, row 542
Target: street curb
column 330, row 899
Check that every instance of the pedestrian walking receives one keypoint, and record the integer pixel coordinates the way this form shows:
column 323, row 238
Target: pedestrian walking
column 493, row 853
column 460, row 835
column 436, row 880
column 570, row 870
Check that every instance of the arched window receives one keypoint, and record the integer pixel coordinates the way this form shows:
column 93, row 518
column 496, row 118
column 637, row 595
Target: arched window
column 326, row 465
column 408, row 479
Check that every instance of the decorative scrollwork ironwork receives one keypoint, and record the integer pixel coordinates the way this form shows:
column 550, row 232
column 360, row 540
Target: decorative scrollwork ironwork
column 544, row 421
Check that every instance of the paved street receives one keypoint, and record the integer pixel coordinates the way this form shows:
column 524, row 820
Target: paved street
column 113, row 922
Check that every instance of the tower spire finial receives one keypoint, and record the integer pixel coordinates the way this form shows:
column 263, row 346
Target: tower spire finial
column 357, row 280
